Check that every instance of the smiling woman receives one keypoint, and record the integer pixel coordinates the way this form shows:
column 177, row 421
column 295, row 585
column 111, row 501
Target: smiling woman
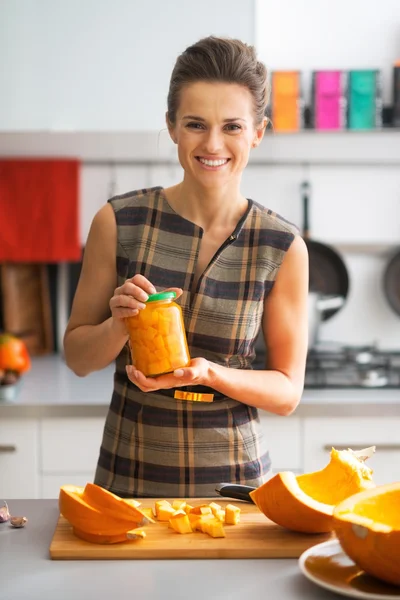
column 236, row 268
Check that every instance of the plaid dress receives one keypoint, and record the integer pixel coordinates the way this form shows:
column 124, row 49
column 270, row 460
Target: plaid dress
column 154, row 445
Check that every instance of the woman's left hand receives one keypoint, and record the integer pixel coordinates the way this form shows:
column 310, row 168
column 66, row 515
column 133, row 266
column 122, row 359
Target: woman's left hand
column 197, row 373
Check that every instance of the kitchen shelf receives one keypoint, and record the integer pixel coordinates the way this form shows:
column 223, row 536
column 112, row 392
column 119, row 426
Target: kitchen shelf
column 375, row 148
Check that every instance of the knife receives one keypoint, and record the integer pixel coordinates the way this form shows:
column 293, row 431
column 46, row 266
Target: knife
column 235, row 490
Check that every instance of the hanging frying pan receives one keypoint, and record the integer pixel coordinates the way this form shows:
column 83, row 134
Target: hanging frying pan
column 391, row 282
column 328, row 273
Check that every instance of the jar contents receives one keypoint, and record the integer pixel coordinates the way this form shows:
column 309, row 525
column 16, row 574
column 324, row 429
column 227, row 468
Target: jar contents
column 157, row 336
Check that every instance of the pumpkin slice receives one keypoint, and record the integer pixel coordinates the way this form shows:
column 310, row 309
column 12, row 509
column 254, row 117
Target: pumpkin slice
column 89, row 519
column 112, row 505
column 305, row 503
column 93, row 538
column 368, row 527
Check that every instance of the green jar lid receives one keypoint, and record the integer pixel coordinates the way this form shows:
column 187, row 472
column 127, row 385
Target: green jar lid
column 161, row 296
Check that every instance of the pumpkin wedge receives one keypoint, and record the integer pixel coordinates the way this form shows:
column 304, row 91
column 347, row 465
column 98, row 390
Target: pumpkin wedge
column 85, row 517
column 94, row 538
column 114, row 506
column 305, row 503
column 368, row 528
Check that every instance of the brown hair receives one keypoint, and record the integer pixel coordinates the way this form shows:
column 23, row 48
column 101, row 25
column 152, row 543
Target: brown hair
column 217, row 59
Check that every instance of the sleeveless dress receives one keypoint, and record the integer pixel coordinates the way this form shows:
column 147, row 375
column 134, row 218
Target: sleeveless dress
column 154, row 445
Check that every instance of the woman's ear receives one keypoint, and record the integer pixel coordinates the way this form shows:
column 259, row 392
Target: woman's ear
column 170, row 128
column 260, row 130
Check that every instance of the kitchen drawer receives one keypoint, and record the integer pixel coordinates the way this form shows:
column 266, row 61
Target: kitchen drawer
column 70, row 445
column 19, row 441
column 50, row 484
column 356, row 433
column 284, row 440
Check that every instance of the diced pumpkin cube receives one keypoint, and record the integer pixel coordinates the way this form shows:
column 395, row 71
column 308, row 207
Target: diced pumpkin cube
column 214, row 528
column 202, row 509
column 232, row 514
column 158, row 504
column 135, row 534
column 193, row 520
column 215, row 507
column 179, row 504
column 188, row 508
column 220, row 515
column 165, row 513
column 200, row 524
column 180, row 522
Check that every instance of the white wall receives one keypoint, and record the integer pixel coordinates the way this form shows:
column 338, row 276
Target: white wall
column 326, row 34
column 101, row 64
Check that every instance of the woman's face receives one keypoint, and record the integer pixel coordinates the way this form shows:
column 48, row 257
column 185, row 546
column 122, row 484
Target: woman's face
column 215, row 131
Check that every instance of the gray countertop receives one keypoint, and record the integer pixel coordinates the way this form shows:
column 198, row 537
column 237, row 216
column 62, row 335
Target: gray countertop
column 51, row 389
column 27, row 572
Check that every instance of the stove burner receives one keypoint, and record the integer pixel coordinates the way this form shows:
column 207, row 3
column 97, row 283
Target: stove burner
column 339, row 366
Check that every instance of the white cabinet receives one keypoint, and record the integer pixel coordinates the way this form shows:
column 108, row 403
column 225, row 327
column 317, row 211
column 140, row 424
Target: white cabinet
column 283, row 438
column 70, row 445
column 320, row 434
column 19, row 447
column 69, row 452
column 50, row 484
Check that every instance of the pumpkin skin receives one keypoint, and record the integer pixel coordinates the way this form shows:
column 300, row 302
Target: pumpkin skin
column 282, row 501
column 367, row 526
column 89, row 519
column 14, row 355
column 305, row 503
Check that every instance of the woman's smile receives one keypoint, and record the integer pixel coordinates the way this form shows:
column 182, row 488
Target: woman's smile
column 212, row 163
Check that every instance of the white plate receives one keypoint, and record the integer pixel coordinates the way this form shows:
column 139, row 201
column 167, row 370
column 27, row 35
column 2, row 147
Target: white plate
column 329, row 567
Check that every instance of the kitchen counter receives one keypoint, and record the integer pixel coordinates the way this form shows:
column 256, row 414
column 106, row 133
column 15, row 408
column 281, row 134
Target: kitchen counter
column 27, row 572
column 50, row 389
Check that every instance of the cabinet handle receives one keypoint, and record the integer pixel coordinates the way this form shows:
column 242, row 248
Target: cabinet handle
column 7, row 448
column 328, row 447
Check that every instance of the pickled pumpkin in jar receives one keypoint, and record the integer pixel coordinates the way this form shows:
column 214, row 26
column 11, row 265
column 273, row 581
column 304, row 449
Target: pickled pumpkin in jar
column 157, row 336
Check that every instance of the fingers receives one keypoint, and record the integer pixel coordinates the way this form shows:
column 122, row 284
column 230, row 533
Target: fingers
column 143, row 283
column 178, row 291
column 178, row 378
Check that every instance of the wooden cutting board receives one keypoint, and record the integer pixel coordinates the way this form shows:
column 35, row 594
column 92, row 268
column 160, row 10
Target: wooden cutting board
column 254, row 537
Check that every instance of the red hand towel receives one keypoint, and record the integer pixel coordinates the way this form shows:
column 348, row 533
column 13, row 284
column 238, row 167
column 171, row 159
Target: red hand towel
column 39, row 210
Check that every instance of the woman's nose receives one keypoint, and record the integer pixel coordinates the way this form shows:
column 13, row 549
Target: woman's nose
column 213, row 142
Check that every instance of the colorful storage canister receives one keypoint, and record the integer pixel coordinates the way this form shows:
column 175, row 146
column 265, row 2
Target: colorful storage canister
column 287, row 101
column 364, row 99
column 396, row 94
column 329, row 100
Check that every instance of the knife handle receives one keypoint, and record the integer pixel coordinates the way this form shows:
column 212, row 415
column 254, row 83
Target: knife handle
column 235, row 490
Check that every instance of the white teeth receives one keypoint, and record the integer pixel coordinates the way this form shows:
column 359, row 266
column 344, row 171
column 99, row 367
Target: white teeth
column 213, row 163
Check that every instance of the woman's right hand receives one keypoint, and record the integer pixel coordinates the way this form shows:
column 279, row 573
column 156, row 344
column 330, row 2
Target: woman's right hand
column 130, row 297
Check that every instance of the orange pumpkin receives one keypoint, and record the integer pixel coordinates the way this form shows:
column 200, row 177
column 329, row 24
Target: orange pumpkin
column 305, row 503
column 94, row 538
column 110, row 504
column 368, row 528
column 14, row 355
column 90, row 519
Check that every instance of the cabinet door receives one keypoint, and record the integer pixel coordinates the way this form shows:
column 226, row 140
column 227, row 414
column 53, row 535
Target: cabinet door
column 283, row 437
column 70, row 445
column 320, row 434
column 50, row 484
column 19, row 459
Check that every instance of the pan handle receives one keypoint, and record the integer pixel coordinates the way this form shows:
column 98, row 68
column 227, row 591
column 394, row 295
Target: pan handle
column 305, row 194
column 234, row 490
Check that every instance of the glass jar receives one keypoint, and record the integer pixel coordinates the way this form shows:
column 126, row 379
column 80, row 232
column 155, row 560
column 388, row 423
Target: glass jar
column 157, row 336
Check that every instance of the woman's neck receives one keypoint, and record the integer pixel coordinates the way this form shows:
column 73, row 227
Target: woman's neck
column 207, row 207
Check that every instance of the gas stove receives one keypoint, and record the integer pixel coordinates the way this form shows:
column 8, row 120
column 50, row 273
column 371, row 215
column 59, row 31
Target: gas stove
column 339, row 366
